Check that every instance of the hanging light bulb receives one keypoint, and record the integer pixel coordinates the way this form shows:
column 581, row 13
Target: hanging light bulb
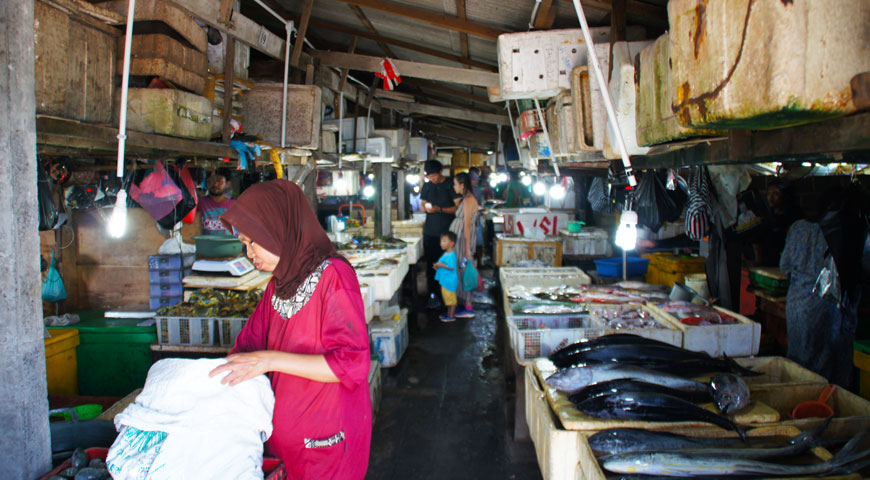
column 340, row 185
column 626, row 234
column 368, row 191
column 557, row 192
column 502, row 177
column 526, row 180
column 416, row 188
column 413, row 179
column 540, row 189
column 118, row 220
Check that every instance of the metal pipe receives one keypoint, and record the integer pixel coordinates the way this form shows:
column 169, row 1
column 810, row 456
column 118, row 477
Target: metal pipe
column 547, row 136
column 340, row 122
column 125, row 87
column 605, row 93
column 288, row 27
column 624, row 265
column 534, row 14
column 269, row 9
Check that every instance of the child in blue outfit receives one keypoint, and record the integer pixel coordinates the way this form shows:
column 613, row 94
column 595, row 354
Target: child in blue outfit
column 445, row 274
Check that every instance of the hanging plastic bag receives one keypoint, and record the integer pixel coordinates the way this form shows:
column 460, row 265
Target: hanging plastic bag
column 598, row 198
column 653, row 204
column 827, row 285
column 699, row 207
column 52, row 287
column 157, row 193
column 182, row 178
column 469, row 278
column 48, row 214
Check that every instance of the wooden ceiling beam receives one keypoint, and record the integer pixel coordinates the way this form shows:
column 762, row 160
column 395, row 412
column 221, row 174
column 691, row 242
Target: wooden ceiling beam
column 402, row 44
column 457, row 132
column 408, row 69
column 435, row 87
column 436, row 111
column 433, row 18
column 368, row 24
column 300, row 32
column 652, row 14
column 546, row 15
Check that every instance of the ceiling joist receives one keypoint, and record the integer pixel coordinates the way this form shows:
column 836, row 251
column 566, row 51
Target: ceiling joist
column 645, row 13
column 437, row 19
column 436, row 111
column 408, row 69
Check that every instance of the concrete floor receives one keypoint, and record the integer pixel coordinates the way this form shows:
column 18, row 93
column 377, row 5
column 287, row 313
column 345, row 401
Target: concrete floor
column 446, row 408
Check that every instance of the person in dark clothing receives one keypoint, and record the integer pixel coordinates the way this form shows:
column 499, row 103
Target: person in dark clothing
column 439, row 201
column 781, row 213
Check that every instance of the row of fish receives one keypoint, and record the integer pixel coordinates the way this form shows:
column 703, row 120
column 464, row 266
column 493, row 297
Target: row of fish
column 622, row 317
column 628, row 377
column 627, row 292
column 634, row 454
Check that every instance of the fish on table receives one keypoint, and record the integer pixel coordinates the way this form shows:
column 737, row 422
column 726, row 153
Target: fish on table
column 570, row 380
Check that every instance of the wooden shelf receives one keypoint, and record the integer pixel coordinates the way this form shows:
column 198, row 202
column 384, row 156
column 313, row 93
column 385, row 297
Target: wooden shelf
column 55, row 135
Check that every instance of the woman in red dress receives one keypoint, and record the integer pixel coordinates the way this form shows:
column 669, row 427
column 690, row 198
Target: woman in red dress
column 308, row 334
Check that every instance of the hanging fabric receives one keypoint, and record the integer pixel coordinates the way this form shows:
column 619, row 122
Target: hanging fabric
column 699, row 209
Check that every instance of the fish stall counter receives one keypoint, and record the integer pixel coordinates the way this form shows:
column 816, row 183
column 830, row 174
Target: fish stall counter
column 650, row 395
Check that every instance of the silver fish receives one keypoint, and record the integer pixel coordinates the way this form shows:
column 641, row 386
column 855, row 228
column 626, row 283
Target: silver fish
column 730, row 393
column 569, row 380
column 682, row 464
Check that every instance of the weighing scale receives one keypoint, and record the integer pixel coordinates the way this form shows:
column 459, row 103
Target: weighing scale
column 235, row 267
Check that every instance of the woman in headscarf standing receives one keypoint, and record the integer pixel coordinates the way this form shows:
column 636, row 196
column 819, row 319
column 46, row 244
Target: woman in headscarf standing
column 308, row 334
column 465, row 228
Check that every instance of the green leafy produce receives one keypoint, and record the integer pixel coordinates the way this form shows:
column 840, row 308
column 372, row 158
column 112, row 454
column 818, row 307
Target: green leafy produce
column 210, row 302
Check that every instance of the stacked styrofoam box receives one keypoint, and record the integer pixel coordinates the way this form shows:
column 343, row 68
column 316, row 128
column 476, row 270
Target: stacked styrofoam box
column 398, row 139
column 623, row 91
column 537, row 64
column 364, row 127
column 377, row 148
column 389, row 337
column 591, row 241
column 418, row 149
column 164, row 276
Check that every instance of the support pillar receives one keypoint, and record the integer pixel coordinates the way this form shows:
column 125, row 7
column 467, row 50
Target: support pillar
column 25, row 447
column 383, row 194
column 401, row 193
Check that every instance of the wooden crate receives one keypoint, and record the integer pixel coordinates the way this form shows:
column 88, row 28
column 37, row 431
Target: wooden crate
column 510, row 250
column 169, row 112
column 74, row 62
column 160, row 55
column 163, row 12
column 735, row 340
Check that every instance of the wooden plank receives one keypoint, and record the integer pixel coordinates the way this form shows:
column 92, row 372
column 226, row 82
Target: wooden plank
column 75, row 8
column 546, row 15
column 437, row 87
column 432, row 18
column 409, row 69
column 368, row 24
column 457, row 113
column 649, row 14
column 459, row 133
column 229, row 79
column 160, row 11
column 391, row 95
column 300, row 33
column 53, row 131
column 161, row 46
column 403, row 44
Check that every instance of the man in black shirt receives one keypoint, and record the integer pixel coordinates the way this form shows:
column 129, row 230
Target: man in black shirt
column 439, row 201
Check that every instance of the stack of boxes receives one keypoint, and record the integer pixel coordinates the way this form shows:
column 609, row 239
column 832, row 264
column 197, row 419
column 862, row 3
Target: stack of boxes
column 164, row 275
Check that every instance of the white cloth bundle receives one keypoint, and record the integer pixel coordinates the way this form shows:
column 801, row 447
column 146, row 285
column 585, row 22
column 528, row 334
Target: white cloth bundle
column 211, row 430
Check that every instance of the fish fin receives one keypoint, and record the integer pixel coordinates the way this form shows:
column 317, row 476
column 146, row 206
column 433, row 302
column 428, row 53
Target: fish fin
column 742, row 432
column 739, row 369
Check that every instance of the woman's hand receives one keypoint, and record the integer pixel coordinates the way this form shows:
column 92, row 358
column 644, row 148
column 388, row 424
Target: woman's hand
column 244, row 366
column 468, row 255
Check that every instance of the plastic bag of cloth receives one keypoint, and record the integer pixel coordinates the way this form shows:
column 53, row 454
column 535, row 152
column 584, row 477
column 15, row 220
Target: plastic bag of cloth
column 182, row 178
column 48, row 214
column 61, row 320
column 174, row 245
column 157, row 193
column 598, row 198
column 653, row 202
column 470, row 278
column 53, row 289
column 728, row 181
column 827, row 285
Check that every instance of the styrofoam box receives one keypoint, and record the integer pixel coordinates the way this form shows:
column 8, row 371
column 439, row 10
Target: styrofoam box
column 623, row 92
column 390, row 339
column 378, row 147
column 418, row 149
column 262, row 111
column 375, row 385
column 735, row 340
column 530, row 222
column 592, row 117
column 542, row 276
column 414, row 248
column 398, row 139
column 761, row 65
column 590, row 241
column 537, row 64
column 364, row 127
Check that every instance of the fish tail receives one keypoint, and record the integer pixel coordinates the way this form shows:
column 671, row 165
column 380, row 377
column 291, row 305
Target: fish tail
column 852, row 457
column 740, row 369
column 741, row 431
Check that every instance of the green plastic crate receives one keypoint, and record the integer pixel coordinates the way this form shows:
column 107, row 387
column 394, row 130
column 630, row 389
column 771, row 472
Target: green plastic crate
column 114, row 354
column 758, row 278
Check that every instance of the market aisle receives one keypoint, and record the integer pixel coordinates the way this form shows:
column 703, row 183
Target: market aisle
column 442, row 414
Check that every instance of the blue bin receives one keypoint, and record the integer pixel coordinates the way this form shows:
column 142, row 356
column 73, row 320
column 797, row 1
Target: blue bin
column 612, row 267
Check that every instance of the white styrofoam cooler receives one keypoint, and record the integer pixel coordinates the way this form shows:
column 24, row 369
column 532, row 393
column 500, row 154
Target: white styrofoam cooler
column 364, row 127
column 390, row 338
column 378, row 148
column 623, row 92
column 533, row 222
column 537, row 64
column 418, row 149
column 591, row 241
column 398, row 139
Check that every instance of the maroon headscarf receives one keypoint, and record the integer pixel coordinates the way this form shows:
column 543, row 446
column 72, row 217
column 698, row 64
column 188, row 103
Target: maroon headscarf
column 276, row 215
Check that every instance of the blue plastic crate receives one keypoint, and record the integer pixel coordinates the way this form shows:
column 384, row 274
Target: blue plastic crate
column 167, row 277
column 167, row 290
column 612, row 267
column 170, row 262
column 157, row 302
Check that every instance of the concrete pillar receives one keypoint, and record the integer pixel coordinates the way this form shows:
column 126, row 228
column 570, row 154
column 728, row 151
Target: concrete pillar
column 25, row 447
column 383, row 192
column 401, row 194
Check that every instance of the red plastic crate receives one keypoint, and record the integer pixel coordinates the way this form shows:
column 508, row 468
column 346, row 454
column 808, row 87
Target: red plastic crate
column 273, row 469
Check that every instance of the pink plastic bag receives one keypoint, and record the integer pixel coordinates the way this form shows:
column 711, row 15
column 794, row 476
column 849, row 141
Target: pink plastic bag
column 157, row 193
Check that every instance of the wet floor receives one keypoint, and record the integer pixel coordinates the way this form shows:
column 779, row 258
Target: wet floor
column 446, row 408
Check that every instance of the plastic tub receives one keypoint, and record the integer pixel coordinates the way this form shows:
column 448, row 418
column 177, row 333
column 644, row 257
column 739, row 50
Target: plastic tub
column 575, row 227
column 61, row 363
column 612, row 267
column 862, row 361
